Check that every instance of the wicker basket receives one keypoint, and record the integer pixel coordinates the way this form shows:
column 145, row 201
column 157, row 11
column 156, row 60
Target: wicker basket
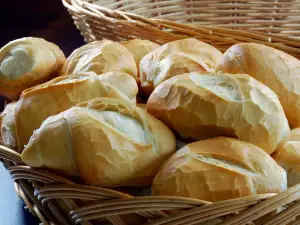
column 58, row 200
column 271, row 22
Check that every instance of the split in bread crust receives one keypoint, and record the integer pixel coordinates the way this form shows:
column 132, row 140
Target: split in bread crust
column 218, row 169
column 27, row 62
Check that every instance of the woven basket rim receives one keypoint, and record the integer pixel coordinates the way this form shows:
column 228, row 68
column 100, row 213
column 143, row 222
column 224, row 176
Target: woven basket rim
column 224, row 36
column 42, row 189
column 21, row 166
column 116, row 203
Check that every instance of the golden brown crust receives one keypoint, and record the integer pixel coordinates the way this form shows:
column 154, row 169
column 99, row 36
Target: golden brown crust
column 8, row 128
column 276, row 69
column 46, row 60
column 122, row 81
column 100, row 57
column 126, row 146
column 40, row 152
column 201, row 106
column 139, row 48
column 288, row 156
column 55, row 96
column 218, row 169
column 175, row 58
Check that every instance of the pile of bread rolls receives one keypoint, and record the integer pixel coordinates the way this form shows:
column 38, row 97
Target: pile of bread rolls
column 114, row 113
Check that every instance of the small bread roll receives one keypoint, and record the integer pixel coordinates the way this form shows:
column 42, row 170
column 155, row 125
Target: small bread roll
column 139, row 48
column 123, row 82
column 288, row 156
column 100, row 57
column 8, row 128
column 218, row 169
column 57, row 95
column 50, row 146
column 110, row 142
column 276, row 69
column 201, row 106
column 176, row 58
column 27, row 62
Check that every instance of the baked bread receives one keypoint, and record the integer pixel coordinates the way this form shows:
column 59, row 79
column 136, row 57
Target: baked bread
column 27, row 62
column 100, row 57
column 112, row 142
column 176, row 58
column 139, row 48
column 8, row 128
column 288, row 157
column 123, row 82
column 276, row 69
column 55, row 96
column 201, row 106
column 217, row 169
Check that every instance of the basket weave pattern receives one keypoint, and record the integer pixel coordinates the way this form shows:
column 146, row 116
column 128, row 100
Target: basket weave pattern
column 59, row 201
column 274, row 23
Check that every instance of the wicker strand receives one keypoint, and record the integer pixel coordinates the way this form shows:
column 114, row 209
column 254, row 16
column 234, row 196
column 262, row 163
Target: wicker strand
column 145, row 19
column 265, row 207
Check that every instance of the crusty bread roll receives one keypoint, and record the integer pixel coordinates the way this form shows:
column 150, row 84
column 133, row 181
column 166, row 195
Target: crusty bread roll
column 174, row 58
column 8, row 128
column 50, row 146
column 207, row 105
column 114, row 143
column 100, row 57
column 276, row 69
column 123, row 82
column 139, row 48
column 27, row 62
column 218, row 169
column 57, row 95
column 288, row 156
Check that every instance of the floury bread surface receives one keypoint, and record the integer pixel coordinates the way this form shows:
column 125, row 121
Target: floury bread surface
column 7, row 126
column 109, row 142
column 139, row 48
column 288, row 156
column 175, row 58
column 26, row 62
column 38, row 103
column 219, row 169
column 276, row 69
column 100, row 57
column 123, row 82
column 201, row 106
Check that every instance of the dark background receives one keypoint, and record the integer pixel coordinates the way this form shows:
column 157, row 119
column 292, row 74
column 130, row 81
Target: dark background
column 43, row 18
column 47, row 19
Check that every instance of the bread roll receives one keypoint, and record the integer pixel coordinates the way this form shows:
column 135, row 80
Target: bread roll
column 176, row 58
column 114, row 143
column 218, row 169
column 57, row 95
column 27, row 62
column 139, row 48
column 8, row 128
column 100, row 57
column 50, row 146
column 122, row 81
column 276, row 69
column 288, row 157
column 201, row 106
